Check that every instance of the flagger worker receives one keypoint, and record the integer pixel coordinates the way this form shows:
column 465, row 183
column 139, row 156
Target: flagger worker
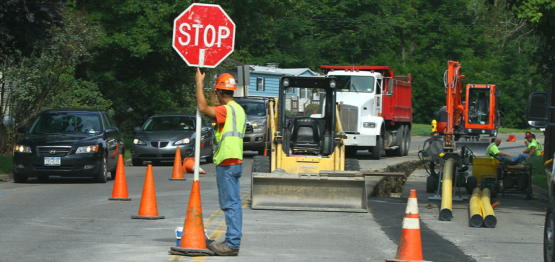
column 228, row 157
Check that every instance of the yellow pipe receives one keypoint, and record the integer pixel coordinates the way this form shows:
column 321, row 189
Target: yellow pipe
column 446, row 211
column 489, row 216
column 476, row 219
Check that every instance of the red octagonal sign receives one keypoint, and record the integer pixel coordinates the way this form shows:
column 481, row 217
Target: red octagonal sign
column 203, row 35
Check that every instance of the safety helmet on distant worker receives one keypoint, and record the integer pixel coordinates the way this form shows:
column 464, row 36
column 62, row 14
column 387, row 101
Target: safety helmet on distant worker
column 225, row 82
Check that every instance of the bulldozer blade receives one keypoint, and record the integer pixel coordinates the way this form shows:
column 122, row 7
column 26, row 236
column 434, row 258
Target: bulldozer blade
column 477, row 147
column 341, row 191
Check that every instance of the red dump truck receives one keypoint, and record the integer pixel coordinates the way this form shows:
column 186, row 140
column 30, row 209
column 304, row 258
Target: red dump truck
column 376, row 109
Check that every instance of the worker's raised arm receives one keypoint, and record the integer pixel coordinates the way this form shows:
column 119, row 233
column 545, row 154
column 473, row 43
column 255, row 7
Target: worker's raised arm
column 203, row 106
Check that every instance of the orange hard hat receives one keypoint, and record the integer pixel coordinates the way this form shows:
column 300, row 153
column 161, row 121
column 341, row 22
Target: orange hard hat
column 225, row 82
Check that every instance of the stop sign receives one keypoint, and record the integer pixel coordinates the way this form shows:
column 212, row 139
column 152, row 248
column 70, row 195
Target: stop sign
column 203, row 35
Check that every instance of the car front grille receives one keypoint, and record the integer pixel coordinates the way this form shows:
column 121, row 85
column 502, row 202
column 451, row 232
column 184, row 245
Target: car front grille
column 54, row 150
column 159, row 144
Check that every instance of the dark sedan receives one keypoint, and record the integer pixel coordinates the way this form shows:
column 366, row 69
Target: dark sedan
column 160, row 136
column 68, row 143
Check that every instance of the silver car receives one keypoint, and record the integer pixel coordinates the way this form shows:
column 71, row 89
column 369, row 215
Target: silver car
column 161, row 134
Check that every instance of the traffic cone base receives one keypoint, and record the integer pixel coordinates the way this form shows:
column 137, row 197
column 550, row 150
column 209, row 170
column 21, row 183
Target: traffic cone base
column 148, row 209
column 193, row 239
column 177, row 174
column 120, row 184
column 410, row 245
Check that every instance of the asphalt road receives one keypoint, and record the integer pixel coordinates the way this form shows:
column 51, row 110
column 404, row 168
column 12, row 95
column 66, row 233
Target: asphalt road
column 72, row 220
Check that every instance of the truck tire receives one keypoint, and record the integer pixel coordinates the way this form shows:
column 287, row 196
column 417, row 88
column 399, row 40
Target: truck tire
column 261, row 164
column 408, row 139
column 377, row 149
column 352, row 164
column 401, row 141
column 549, row 233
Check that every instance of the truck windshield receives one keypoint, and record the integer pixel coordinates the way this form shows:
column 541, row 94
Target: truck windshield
column 363, row 84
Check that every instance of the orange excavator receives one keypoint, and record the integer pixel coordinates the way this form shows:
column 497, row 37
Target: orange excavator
column 465, row 128
column 471, row 122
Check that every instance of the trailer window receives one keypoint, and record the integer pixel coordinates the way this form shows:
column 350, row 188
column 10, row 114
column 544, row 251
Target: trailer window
column 362, row 84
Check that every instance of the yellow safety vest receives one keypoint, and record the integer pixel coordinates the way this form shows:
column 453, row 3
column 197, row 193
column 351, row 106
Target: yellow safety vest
column 229, row 142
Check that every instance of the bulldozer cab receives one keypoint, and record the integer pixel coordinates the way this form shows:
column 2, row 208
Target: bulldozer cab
column 307, row 117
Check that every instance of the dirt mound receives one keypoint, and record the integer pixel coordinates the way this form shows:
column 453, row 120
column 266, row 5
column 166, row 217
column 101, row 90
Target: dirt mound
column 393, row 185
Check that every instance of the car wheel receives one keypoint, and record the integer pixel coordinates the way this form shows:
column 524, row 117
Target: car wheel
column 18, row 178
column 549, row 233
column 136, row 162
column 102, row 175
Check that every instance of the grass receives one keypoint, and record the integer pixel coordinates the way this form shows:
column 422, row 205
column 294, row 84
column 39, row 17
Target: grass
column 539, row 177
column 127, row 144
column 6, row 164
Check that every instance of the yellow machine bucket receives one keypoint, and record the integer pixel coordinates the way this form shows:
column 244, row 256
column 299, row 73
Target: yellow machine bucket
column 343, row 191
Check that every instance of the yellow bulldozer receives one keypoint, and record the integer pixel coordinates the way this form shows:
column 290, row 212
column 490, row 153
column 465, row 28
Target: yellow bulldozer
column 305, row 166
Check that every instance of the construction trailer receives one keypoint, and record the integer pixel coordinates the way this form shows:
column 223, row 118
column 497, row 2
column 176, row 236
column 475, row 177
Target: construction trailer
column 376, row 109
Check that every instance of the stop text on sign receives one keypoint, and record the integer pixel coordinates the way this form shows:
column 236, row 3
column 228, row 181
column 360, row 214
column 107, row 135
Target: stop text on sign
column 209, row 34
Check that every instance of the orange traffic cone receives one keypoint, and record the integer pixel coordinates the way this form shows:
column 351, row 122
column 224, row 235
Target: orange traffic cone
column 193, row 240
column 410, row 245
column 148, row 208
column 177, row 168
column 189, row 166
column 510, row 139
column 120, row 184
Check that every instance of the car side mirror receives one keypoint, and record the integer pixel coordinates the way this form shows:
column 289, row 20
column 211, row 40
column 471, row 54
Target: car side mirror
column 22, row 130
column 136, row 129
column 111, row 130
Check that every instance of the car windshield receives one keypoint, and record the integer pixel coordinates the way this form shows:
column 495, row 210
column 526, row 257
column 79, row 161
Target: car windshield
column 363, row 84
column 66, row 122
column 169, row 123
column 253, row 108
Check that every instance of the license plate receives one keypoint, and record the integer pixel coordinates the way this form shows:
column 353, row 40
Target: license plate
column 52, row 161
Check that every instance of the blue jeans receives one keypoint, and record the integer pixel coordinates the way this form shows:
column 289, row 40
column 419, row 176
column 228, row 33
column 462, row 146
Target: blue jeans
column 227, row 178
column 516, row 160
column 501, row 158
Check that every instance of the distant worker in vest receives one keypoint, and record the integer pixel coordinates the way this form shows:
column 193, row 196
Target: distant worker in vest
column 228, row 157
column 534, row 149
column 493, row 151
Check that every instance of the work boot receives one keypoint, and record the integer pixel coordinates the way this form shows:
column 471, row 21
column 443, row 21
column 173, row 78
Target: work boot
column 221, row 249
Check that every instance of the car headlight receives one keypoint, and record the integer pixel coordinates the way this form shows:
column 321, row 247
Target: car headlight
column 22, row 149
column 258, row 125
column 369, row 125
column 182, row 141
column 87, row 149
column 139, row 142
